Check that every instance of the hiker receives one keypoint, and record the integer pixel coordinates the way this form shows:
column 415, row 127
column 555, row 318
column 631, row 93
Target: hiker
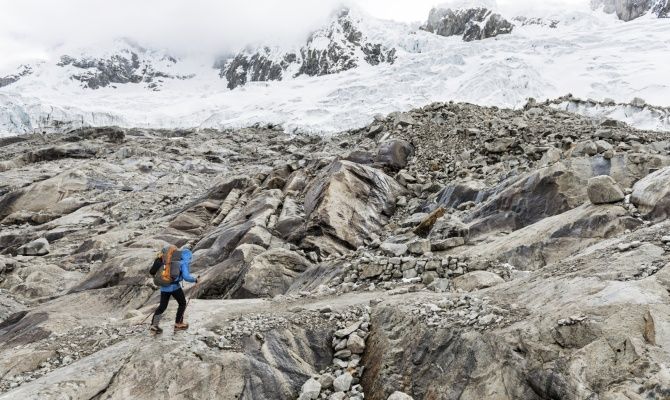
column 170, row 267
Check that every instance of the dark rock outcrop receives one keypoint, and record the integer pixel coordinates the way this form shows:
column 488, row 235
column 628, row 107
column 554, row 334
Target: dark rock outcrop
column 24, row 70
column 398, row 349
column 128, row 66
column 628, row 10
column 394, row 154
column 253, row 67
column 662, row 8
column 472, row 23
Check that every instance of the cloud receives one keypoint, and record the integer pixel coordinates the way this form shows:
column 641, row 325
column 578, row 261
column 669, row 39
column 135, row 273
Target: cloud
column 30, row 28
column 176, row 23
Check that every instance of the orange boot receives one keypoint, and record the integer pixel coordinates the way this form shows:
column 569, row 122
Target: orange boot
column 180, row 326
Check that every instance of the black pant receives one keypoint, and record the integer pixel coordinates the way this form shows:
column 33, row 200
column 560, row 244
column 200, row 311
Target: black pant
column 165, row 298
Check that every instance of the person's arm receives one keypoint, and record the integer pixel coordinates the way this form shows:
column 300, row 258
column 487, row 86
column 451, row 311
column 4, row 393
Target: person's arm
column 186, row 261
column 158, row 262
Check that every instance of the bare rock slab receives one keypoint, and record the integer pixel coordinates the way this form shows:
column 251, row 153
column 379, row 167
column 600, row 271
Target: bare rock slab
column 348, row 203
column 39, row 247
column 651, row 194
column 477, row 280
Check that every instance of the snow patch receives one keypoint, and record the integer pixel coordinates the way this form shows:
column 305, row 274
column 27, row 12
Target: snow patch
column 649, row 118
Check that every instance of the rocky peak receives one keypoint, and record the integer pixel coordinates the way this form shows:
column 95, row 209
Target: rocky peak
column 339, row 46
column 22, row 71
column 474, row 23
column 628, row 10
column 127, row 65
column 662, row 8
column 261, row 65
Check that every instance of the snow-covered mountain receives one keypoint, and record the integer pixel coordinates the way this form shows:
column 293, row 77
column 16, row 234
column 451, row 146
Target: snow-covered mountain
column 22, row 71
column 340, row 46
column 126, row 66
column 357, row 66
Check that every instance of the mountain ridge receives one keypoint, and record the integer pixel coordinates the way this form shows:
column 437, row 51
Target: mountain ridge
column 353, row 68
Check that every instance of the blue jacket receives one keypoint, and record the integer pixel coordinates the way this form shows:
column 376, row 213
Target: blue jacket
column 184, row 274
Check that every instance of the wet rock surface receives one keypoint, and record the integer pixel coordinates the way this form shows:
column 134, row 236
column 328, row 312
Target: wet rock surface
column 452, row 251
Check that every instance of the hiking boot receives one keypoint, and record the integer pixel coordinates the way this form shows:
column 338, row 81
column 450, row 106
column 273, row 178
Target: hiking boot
column 180, row 326
column 155, row 329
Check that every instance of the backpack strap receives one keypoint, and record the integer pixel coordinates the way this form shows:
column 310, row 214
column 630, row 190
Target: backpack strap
column 167, row 259
column 177, row 260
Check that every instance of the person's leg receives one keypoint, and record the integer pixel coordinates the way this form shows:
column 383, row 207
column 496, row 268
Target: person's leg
column 165, row 298
column 181, row 300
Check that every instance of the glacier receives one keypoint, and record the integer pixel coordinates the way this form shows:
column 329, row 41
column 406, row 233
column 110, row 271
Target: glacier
column 591, row 55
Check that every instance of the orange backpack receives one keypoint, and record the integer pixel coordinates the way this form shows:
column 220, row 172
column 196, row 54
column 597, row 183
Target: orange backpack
column 170, row 271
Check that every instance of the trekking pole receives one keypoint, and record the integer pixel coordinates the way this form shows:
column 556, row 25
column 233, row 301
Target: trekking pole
column 147, row 317
column 192, row 291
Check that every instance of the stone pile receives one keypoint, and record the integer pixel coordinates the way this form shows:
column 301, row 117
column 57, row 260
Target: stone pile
column 229, row 334
column 341, row 380
column 465, row 310
column 388, row 272
column 253, row 324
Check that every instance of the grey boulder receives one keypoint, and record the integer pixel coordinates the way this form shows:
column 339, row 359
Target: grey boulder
column 39, row 247
column 394, row 154
column 271, row 273
column 310, row 390
column 477, row 280
column 603, row 190
column 343, row 382
column 346, row 206
column 651, row 194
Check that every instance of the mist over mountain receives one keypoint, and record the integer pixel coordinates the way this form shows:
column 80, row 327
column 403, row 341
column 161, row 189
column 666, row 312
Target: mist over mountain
column 331, row 56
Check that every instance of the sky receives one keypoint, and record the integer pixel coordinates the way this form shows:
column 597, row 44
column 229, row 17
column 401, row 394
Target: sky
column 28, row 28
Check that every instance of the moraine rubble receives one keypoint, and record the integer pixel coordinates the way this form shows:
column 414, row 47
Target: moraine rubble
column 453, row 251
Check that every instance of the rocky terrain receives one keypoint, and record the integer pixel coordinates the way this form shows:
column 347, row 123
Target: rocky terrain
column 450, row 252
